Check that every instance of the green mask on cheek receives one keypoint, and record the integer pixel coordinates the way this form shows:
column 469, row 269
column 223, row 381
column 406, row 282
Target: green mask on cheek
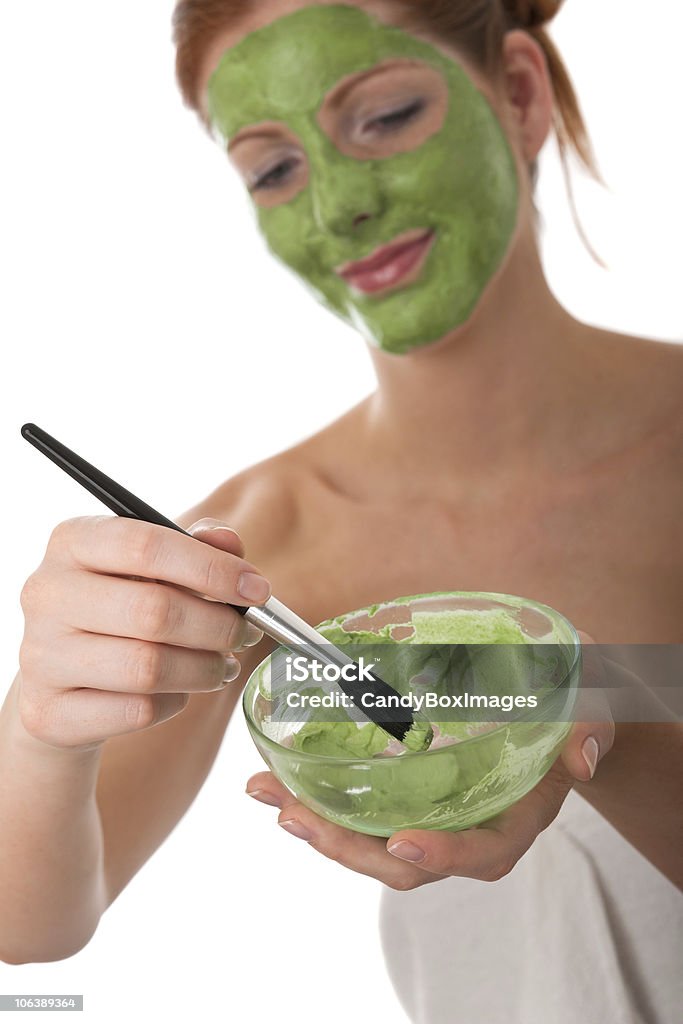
column 461, row 183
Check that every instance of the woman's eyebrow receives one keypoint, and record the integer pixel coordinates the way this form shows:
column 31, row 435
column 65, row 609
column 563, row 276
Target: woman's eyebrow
column 339, row 92
column 255, row 132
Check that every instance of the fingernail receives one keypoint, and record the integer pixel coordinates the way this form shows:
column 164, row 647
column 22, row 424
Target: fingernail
column 254, row 588
column 264, row 796
column 232, row 670
column 220, row 529
column 591, row 753
column 407, row 851
column 253, row 635
column 296, row 829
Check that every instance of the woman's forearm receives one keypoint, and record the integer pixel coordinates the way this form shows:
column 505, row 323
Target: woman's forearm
column 52, row 883
column 637, row 788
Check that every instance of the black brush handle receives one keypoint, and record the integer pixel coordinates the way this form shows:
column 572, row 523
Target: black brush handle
column 106, row 490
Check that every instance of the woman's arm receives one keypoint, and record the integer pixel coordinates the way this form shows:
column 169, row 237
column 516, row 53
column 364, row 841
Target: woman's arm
column 78, row 825
column 52, row 887
column 638, row 786
column 638, row 790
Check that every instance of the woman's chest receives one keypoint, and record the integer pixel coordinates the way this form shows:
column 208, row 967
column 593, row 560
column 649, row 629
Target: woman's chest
column 603, row 556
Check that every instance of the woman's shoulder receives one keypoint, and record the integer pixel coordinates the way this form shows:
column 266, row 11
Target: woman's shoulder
column 269, row 503
column 632, row 355
column 641, row 382
column 639, row 355
column 644, row 401
column 260, row 502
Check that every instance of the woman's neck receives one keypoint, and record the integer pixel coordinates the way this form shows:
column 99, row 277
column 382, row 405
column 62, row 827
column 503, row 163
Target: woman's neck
column 495, row 396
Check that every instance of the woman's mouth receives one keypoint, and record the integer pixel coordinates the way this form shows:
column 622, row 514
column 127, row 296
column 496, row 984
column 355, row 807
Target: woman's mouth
column 398, row 263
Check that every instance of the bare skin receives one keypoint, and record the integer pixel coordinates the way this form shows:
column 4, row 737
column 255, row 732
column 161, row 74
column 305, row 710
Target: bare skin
column 520, row 454
column 569, row 542
column 525, row 453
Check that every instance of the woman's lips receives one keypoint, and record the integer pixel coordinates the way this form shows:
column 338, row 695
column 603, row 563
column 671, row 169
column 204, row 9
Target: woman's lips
column 400, row 262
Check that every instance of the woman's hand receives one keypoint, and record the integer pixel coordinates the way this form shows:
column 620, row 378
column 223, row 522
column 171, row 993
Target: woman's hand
column 118, row 633
column 489, row 852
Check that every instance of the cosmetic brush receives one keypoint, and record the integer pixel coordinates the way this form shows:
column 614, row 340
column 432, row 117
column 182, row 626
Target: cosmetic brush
column 273, row 618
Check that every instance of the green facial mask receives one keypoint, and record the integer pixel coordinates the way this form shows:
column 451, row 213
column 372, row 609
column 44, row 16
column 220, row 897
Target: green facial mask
column 461, row 183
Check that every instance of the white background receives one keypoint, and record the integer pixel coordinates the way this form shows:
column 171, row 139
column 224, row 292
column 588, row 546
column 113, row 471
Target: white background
column 143, row 324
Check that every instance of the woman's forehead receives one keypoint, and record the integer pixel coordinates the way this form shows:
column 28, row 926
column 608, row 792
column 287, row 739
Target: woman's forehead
column 264, row 12
column 290, row 64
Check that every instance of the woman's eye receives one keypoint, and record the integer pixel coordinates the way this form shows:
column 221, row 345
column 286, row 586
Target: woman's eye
column 395, row 119
column 277, row 175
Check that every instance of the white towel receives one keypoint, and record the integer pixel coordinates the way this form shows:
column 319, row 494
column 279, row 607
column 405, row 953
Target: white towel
column 583, row 931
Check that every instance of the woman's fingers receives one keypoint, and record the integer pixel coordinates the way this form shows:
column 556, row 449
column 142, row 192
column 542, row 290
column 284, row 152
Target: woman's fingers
column 265, row 787
column 133, row 666
column 366, row 855
column 109, row 544
column 414, row 857
column 110, row 605
column 87, row 716
column 490, row 851
column 483, row 853
column 218, row 534
column 123, row 620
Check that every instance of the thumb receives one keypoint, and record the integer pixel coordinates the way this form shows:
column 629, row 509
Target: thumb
column 218, row 534
column 587, row 744
column 592, row 736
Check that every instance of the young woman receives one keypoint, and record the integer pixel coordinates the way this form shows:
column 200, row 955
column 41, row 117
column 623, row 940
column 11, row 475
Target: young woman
column 390, row 149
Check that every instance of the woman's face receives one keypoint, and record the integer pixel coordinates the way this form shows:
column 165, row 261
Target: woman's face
column 379, row 171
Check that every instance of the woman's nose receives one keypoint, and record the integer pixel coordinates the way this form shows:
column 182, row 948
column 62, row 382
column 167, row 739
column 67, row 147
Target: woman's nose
column 345, row 194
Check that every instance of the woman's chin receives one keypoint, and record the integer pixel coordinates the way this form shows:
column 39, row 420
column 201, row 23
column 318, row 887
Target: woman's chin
column 429, row 339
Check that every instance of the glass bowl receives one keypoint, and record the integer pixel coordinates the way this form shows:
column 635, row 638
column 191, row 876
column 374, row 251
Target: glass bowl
column 484, row 766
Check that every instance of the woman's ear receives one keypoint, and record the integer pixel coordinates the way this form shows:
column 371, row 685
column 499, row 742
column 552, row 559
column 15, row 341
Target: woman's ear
column 529, row 91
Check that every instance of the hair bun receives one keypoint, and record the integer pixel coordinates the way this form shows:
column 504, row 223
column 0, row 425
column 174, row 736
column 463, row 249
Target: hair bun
column 532, row 13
